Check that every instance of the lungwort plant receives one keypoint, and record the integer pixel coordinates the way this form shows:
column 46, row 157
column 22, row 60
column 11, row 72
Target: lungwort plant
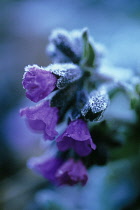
column 73, row 94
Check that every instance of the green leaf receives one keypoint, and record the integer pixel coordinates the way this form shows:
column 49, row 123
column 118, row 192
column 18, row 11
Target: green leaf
column 52, row 206
column 88, row 51
column 91, row 56
column 134, row 103
column 137, row 88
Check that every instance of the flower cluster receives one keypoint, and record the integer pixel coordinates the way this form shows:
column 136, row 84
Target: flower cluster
column 66, row 93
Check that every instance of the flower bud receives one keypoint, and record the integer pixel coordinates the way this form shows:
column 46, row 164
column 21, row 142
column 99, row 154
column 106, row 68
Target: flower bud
column 95, row 106
column 38, row 82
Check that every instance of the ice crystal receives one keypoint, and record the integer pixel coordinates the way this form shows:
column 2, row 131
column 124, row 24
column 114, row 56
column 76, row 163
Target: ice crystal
column 67, row 73
column 97, row 103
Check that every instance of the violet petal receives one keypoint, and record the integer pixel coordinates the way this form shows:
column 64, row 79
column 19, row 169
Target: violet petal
column 38, row 82
column 42, row 118
column 76, row 136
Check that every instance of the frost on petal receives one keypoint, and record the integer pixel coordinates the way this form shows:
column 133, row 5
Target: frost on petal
column 71, row 173
column 38, row 82
column 42, row 118
column 77, row 137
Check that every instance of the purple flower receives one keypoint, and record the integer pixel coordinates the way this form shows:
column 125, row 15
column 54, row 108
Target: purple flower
column 38, row 82
column 45, row 167
column 71, row 173
column 42, row 118
column 76, row 136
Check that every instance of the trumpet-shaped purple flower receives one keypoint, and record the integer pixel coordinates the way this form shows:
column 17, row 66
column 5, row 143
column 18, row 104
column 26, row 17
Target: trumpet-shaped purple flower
column 76, row 136
column 42, row 118
column 45, row 167
column 71, row 173
column 38, row 82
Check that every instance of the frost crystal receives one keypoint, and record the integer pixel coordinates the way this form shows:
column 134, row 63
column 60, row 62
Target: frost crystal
column 67, row 72
column 97, row 103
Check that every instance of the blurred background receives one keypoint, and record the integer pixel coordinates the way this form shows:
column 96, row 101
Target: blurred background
column 24, row 29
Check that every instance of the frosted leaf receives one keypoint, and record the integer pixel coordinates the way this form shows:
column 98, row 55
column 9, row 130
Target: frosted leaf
column 67, row 73
column 96, row 105
column 56, row 55
column 65, row 46
column 76, row 36
column 68, row 46
column 60, row 35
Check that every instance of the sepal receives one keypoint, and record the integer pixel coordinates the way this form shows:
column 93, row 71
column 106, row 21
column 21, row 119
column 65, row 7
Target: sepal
column 67, row 73
column 95, row 106
column 88, row 51
column 66, row 45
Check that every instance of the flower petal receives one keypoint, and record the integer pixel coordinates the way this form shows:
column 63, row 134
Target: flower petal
column 42, row 118
column 38, row 82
